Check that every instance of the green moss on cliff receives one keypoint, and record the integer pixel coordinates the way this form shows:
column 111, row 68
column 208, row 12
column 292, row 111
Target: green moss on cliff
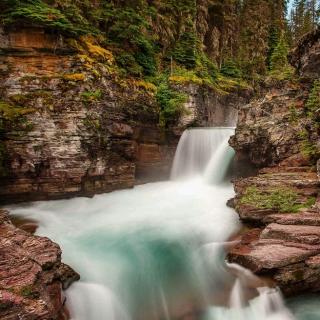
column 11, row 112
column 281, row 199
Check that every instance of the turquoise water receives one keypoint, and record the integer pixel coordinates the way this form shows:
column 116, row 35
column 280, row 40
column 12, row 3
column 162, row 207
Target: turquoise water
column 157, row 252
column 305, row 307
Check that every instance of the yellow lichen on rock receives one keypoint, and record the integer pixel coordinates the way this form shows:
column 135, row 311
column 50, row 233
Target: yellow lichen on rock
column 74, row 77
column 96, row 51
column 147, row 86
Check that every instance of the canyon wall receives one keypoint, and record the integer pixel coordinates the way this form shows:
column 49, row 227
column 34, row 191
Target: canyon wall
column 279, row 133
column 71, row 126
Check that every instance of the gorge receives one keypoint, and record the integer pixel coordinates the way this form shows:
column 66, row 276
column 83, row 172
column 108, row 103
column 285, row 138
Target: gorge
column 159, row 160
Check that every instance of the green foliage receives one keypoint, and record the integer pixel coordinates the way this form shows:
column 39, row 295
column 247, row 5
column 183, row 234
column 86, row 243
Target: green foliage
column 308, row 147
column 37, row 12
column 171, row 103
column 206, row 69
column 128, row 30
column 185, row 50
column 230, row 69
column 279, row 60
column 313, row 103
column 280, row 199
column 128, row 63
column 29, row 292
column 273, row 40
column 304, row 17
column 294, row 117
column 91, row 96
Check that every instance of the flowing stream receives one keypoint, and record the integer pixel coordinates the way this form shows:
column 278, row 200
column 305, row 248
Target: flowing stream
column 157, row 251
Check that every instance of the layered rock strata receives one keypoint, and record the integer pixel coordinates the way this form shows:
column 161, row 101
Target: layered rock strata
column 282, row 245
column 71, row 126
column 281, row 204
column 32, row 275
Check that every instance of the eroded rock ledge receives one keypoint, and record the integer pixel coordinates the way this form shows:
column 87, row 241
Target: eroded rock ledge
column 282, row 245
column 281, row 204
column 32, row 275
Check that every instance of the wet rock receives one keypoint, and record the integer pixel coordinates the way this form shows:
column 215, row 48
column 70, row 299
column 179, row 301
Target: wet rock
column 263, row 256
column 292, row 233
column 31, row 275
column 305, row 185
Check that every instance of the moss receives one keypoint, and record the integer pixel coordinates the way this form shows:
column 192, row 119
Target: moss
column 29, row 292
column 28, row 98
column 145, row 85
column 74, row 77
column 91, row 96
column 12, row 118
column 279, row 199
column 12, row 112
column 96, row 51
column 182, row 76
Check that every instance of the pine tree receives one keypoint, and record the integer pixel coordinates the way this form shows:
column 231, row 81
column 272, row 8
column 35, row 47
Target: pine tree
column 279, row 61
column 304, row 18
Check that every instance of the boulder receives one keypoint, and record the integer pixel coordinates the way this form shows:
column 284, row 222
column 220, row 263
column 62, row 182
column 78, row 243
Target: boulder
column 32, row 275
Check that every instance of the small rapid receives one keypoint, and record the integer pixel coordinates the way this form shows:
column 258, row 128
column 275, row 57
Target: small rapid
column 158, row 251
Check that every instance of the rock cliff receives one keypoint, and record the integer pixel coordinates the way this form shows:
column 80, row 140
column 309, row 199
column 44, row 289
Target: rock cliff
column 281, row 204
column 70, row 125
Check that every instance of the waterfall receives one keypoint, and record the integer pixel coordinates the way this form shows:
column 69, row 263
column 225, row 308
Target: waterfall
column 201, row 152
column 157, row 251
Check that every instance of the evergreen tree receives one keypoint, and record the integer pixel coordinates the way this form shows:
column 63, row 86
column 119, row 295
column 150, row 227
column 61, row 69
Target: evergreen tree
column 279, row 61
column 304, row 18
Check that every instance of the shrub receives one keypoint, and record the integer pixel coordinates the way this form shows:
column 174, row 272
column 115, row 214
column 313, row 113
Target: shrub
column 230, row 69
column 171, row 103
column 38, row 12
column 91, row 96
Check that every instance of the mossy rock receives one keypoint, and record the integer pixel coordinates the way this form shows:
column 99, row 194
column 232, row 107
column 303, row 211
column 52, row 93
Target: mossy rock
column 280, row 199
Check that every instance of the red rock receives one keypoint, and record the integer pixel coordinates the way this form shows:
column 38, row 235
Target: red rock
column 31, row 275
column 295, row 233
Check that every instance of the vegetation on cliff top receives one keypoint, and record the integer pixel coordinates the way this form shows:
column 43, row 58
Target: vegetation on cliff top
column 149, row 37
column 223, row 44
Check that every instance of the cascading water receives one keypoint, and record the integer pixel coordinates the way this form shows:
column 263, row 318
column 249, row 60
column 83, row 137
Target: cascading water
column 157, row 251
column 197, row 147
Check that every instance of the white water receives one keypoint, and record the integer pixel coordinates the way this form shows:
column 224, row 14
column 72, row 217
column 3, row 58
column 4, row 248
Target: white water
column 195, row 150
column 156, row 252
